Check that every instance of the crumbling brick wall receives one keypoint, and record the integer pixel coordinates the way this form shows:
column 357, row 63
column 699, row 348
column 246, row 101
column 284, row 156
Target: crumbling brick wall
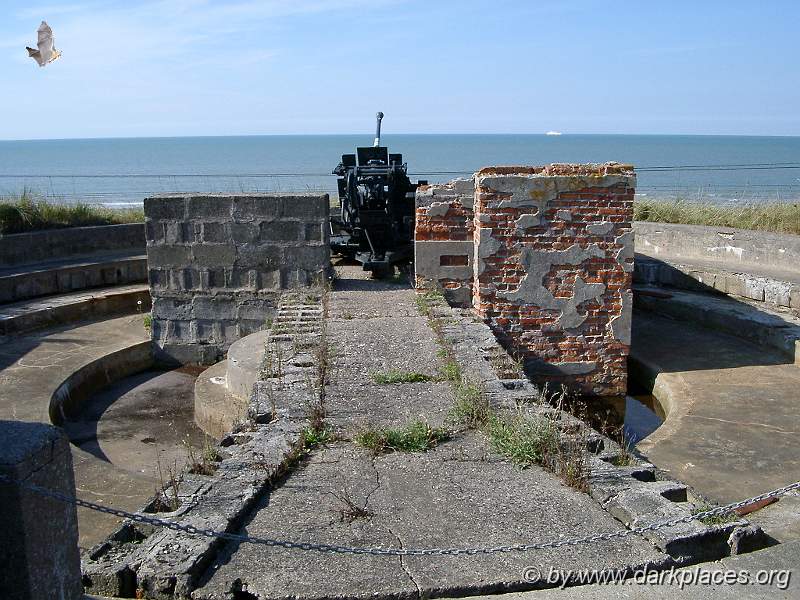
column 552, row 269
column 443, row 247
column 218, row 263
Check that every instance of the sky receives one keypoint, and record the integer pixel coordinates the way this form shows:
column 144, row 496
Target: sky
column 250, row 67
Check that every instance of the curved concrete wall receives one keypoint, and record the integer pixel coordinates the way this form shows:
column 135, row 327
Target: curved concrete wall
column 68, row 399
column 737, row 248
column 50, row 244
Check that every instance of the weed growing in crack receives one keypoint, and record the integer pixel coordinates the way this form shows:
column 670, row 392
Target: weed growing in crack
column 471, row 407
column 417, row 436
column 451, row 370
column 313, row 438
column 714, row 519
column 626, row 456
column 394, row 377
column 427, row 300
column 203, row 460
column 349, row 511
column 523, row 440
column 166, row 496
column 571, row 460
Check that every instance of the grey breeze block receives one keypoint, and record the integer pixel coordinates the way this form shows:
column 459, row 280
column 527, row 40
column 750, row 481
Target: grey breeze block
column 218, row 263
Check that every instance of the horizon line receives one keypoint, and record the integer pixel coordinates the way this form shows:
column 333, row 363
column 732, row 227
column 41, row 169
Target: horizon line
column 247, row 135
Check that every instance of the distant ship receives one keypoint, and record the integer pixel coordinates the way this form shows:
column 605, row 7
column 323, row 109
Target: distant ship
column 553, row 133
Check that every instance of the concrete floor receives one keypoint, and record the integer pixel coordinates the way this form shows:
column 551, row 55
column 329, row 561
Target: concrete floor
column 141, row 422
column 733, row 421
column 118, row 468
column 458, row 494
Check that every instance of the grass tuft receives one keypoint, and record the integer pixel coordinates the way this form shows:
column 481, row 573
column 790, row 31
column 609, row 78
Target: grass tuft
column 451, row 371
column 471, row 406
column 714, row 519
column 393, row 377
column 417, row 436
column 525, row 441
column 314, row 437
column 25, row 213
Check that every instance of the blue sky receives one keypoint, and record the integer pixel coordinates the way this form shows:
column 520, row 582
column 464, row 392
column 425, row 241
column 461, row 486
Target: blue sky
column 211, row 67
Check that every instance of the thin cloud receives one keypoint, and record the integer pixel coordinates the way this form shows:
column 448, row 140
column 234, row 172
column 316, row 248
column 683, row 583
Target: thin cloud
column 50, row 10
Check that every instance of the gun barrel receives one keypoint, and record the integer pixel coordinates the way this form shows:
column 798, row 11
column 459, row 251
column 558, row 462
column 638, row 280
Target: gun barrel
column 378, row 130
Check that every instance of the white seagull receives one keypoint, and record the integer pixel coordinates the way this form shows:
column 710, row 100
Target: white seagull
column 46, row 52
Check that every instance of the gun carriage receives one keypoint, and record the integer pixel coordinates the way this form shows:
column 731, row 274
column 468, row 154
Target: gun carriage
column 375, row 225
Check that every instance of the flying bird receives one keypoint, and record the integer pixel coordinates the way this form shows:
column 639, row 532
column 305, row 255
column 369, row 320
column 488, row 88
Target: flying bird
column 46, row 52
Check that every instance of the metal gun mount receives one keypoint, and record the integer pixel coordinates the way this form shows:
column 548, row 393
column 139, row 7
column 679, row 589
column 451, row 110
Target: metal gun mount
column 376, row 222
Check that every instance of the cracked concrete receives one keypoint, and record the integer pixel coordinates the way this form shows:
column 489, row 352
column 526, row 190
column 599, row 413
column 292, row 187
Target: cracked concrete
column 458, row 494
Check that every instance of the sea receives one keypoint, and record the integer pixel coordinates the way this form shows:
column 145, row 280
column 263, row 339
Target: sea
column 122, row 172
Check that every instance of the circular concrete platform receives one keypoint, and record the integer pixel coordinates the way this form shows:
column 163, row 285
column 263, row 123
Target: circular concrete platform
column 140, row 422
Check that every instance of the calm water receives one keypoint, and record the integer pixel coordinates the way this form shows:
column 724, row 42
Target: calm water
column 121, row 171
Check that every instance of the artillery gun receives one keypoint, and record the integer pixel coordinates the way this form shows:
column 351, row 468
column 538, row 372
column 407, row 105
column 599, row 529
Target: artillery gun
column 375, row 225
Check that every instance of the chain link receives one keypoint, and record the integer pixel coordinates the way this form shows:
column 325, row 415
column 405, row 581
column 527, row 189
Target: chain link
column 381, row 551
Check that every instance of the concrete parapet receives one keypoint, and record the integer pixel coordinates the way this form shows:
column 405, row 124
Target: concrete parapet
column 739, row 249
column 39, row 558
column 218, row 263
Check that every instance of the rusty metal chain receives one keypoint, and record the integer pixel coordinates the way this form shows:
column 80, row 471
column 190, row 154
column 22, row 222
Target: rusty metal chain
column 380, row 551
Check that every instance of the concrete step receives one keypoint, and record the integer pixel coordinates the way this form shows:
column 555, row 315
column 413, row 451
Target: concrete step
column 215, row 409
column 778, row 288
column 29, row 315
column 244, row 363
column 753, row 321
column 68, row 275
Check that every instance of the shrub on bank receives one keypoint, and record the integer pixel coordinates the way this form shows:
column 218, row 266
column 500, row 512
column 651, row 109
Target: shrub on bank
column 26, row 213
column 777, row 217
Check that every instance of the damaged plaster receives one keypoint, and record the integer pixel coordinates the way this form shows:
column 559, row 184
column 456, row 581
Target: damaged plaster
column 531, row 290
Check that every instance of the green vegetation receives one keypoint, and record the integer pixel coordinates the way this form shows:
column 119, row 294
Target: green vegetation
column 427, row 300
column 778, row 217
column 314, row 437
column 27, row 213
column 471, row 406
column 147, row 320
column 392, row 377
column 417, row 436
column 713, row 520
column 451, row 371
column 203, row 460
column 524, row 440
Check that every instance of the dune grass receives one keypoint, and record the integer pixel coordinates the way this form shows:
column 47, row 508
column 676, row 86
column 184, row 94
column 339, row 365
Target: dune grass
column 778, row 217
column 28, row 212
column 25, row 212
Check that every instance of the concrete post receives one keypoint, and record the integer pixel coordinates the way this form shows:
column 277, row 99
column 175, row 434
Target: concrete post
column 39, row 557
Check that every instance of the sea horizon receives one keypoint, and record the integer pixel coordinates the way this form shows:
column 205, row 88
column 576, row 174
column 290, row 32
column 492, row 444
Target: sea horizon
column 123, row 171
column 384, row 134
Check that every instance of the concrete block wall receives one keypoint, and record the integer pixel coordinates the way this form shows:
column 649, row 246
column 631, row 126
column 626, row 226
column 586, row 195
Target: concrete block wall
column 443, row 247
column 217, row 265
column 553, row 270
